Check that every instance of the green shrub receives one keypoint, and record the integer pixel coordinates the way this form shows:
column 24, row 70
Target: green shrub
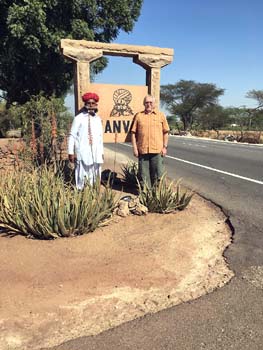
column 40, row 205
column 43, row 123
column 130, row 173
column 163, row 197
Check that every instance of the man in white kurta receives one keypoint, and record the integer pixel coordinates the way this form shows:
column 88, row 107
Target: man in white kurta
column 86, row 141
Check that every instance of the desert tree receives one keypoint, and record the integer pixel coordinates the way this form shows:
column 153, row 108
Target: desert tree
column 213, row 117
column 256, row 95
column 186, row 97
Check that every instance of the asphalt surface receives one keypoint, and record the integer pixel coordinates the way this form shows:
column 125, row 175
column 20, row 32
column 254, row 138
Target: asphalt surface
column 230, row 175
column 237, row 188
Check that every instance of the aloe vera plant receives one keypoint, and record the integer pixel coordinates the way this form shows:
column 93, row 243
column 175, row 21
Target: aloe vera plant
column 39, row 204
column 130, row 173
column 163, row 197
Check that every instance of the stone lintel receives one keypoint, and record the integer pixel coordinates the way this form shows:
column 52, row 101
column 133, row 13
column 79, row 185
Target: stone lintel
column 82, row 52
column 70, row 46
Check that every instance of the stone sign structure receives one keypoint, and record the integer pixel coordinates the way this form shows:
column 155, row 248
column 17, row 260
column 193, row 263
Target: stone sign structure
column 119, row 103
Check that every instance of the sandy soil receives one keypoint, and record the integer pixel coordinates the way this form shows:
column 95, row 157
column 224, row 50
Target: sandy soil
column 53, row 291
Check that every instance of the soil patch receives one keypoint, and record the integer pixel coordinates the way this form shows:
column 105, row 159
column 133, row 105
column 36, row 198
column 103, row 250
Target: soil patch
column 54, row 291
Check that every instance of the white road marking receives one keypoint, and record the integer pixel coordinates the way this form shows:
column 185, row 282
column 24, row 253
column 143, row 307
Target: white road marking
column 217, row 170
column 201, row 146
column 223, row 142
column 211, row 169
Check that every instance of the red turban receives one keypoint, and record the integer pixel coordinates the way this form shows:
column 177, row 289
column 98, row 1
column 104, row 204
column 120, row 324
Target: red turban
column 90, row 96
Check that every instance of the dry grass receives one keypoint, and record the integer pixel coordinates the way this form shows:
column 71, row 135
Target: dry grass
column 245, row 136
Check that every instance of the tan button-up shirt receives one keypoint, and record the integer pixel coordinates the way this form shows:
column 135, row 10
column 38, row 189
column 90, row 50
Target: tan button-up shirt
column 149, row 130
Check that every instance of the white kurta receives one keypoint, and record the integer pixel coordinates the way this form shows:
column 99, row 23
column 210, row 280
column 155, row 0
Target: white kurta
column 89, row 156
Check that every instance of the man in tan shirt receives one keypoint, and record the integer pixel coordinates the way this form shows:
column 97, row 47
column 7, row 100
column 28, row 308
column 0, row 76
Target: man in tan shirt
column 149, row 135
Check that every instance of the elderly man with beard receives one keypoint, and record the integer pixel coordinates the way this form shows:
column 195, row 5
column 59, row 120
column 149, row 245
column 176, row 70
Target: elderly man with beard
column 86, row 141
column 149, row 135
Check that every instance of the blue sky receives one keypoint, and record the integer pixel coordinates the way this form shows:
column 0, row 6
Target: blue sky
column 219, row 42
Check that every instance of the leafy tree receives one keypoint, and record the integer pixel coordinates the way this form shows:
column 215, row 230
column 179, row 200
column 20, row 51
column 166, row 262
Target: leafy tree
column 257, row 120
column 187, row 96
column 256, row 114
column 256, row 95
column 8, row 120
column 212, row 117
column 175, row 124
column 238, row 116
column 31, row 30
column 172, row 121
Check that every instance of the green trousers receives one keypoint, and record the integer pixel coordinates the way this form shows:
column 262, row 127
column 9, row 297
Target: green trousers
column 150, row 168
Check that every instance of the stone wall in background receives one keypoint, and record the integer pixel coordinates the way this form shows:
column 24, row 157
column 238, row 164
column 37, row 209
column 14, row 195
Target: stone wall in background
column 13, row 151
column 10, row 150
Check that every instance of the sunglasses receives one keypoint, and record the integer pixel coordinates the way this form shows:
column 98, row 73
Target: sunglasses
column 91, row 103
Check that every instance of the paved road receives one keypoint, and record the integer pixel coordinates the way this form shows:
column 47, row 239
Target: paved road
column 230, row 175
column 233, row 178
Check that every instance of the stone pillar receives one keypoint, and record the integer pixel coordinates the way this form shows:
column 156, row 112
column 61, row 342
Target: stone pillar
column 153, row 77
column 153, row 64
column 81, row 58
column 81, row 81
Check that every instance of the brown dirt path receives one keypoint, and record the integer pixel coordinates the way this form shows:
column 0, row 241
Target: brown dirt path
column 53, row 291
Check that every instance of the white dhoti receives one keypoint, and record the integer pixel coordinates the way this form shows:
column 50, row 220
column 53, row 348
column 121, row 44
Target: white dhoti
column 86, row 139
column 86, row 173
